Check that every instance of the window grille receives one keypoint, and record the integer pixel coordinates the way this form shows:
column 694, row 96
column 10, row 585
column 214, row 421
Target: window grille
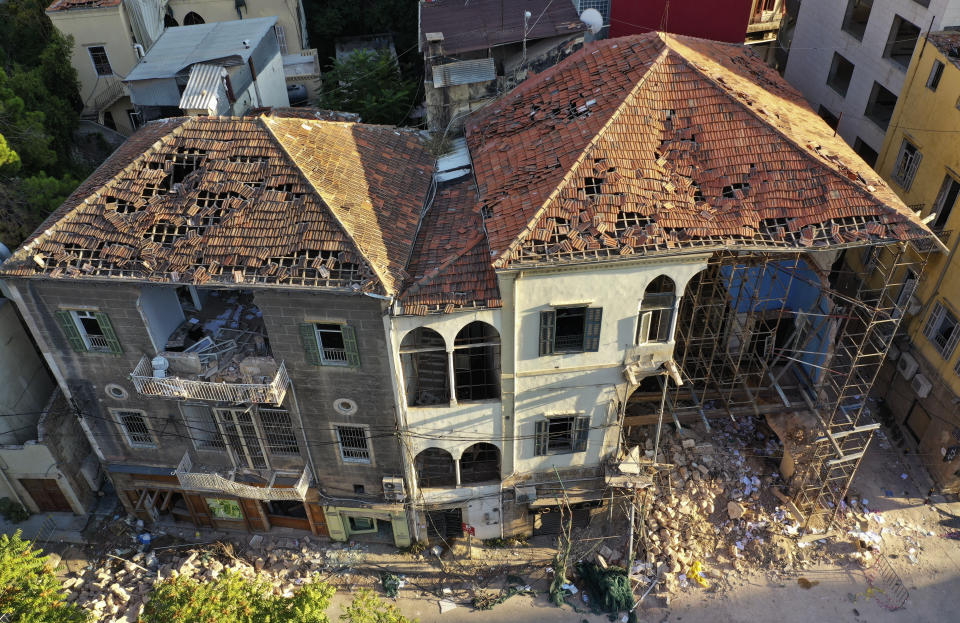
column 135, row 428
column 278, row 429
column 353, row 444
column 98, row 54
column 942, row 330
column 907, row 163
column 281, row 38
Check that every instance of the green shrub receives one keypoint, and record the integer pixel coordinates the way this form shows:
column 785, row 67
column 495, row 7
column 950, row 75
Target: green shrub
column 29, row 591
column 13, row 511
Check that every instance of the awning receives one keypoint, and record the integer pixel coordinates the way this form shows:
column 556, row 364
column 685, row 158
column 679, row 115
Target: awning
column 205, row 89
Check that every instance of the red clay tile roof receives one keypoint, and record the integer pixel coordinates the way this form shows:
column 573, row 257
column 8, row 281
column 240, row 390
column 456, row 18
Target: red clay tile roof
column 450, row 267
column 66, row 5
column 242, row 201
column 948, row 42
column 482, row 24
column 643, row 145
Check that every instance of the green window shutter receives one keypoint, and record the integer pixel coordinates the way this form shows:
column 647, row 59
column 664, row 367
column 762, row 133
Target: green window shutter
column 70, row 330
column 581, row 427
column 350, row 345
column 591, row 329
column 548, row 331
column 308, row 333
column 108, row 333
column 540, row 438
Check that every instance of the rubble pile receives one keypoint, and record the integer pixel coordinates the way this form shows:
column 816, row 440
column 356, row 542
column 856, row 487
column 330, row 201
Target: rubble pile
column 713, row 504
column 117, row 590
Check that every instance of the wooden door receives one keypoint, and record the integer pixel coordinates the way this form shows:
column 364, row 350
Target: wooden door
column 253, row 513
column 46, row 494
column 318, row 521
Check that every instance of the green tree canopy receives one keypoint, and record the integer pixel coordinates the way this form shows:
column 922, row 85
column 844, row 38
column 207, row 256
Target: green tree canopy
column 29, row 591
column 369, row 83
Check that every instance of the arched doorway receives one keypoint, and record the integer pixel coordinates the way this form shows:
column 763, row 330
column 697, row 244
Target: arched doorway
column 476, row 362
column 423, row 355
column 480, row 463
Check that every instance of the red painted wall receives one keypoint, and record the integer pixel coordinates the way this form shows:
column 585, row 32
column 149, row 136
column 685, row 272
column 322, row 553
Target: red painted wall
column 721, row 20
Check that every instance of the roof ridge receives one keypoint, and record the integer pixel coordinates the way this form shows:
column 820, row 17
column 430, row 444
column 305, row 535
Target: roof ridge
column 478, row 238
column 346, row 231
column 531, row 223
column 832, row 165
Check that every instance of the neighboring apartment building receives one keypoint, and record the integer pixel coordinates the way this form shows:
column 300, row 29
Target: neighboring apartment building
column 920, row 159
column 46, row 464
column 476, row 51
column 110, row 37
column 212, row 300
column 219, row 69
column 850, row 58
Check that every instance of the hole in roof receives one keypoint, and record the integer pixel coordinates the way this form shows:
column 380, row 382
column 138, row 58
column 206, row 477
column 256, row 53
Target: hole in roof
column 159, row 187
column 627, row 220
column 165, row 232
column 561, row 228
column 729, row 191
column 697, row 193
column 591, row 185
column 486, row 212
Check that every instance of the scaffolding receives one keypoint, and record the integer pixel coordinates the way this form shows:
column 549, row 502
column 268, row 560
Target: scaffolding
column 772, row 332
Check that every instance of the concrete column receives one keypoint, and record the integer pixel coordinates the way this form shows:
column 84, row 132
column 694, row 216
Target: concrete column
column 456, row 470
column 453, row 380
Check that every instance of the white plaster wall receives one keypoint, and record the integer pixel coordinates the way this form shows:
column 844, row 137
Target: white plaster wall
column 273, row 84
column 161, row 312
column 26, row 386
column 819, row 34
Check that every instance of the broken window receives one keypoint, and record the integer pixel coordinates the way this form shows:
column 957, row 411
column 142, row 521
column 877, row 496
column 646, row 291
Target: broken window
column 476, row 362
column 329, row 344
column 353, row 444
column 880, row 106
column 570, row 330
column 201, row 427
column 656, row 311
column 561, row 435
column 856, row 17
column 908, row 160
column 480, row 463
column 423, row 354
column 946, row 201
column 901, row 41
column 435, row 468
column 89, row 331
column 841, row 72
column 942, row 330
column 135, row 428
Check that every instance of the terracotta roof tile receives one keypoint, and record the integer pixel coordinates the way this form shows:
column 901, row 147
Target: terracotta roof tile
column 948, row 42
column 698, row 139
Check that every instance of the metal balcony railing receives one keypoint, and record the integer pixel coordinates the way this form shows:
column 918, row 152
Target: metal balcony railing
column 216, row 483
column 111, row 90
column 184, row 388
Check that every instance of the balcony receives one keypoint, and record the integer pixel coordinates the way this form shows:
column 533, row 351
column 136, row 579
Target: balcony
column 213, row 482
column 111, row 91
column 302, row 67
column 260, row 381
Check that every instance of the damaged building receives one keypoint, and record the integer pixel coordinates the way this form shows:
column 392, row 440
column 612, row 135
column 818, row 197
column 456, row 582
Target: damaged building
column 286, row 321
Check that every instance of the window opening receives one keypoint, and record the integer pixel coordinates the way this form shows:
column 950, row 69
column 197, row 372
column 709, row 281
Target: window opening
column 134, row 424
column 832, row 120
column 901, row 42
column 656, row 311
column 936, row 72
column 278, row 431
column 362, row 524
column 905, row 169
column 435, row 468
column 353, row 444
column 561, row 435
column 202, row 427
column 91, row 331
column 942, row 330
column 856, row 17
column 841, row 72
column 333, row 351
column 946, row 201
column 192, row 19
column 423, row 354
column 286, row 508
column 480, row 463
column 869, row 154
column 101, row 63
column 242, row 437
column 880, row 106
column 476, row 362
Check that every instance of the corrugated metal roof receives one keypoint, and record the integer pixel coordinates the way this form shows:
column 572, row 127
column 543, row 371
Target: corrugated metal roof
column 464, row 72
column 182, row 46
column 204, row 89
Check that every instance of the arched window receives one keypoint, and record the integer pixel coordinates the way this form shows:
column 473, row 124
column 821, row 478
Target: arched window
column 480, row 463
column 476, row 362
column 656, row 311
column 423, row 355
column 192, row 19
column 435, row 468
column 169, row 21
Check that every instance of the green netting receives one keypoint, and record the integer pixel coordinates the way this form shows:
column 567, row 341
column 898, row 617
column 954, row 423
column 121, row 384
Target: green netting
column 609, row 589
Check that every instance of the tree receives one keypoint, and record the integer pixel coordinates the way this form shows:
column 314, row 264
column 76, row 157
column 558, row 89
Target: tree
column 369, row 83
column 366, row 607
column 29, row 591
column 9, row 159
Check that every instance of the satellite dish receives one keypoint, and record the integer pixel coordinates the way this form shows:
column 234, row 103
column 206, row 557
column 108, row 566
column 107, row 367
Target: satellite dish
column 593, row 19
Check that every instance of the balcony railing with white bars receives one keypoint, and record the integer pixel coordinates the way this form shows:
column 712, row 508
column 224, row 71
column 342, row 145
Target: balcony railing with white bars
column 216, row 483
column 193, row 389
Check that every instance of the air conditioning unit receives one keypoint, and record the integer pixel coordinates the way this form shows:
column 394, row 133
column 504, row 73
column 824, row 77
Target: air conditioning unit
column 525, row 495
column 893, row 353
column 393, row 489
column 913, row 306
column 921, row 386
column 907, row 366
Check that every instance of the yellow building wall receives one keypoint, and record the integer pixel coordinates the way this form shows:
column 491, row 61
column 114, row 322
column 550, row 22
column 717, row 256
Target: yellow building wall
column 931, row 121
column 287, row 13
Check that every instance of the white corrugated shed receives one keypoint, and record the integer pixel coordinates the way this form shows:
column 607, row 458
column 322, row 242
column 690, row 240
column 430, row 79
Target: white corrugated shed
column 464, row 72
column 455, row 163
column 205, row 90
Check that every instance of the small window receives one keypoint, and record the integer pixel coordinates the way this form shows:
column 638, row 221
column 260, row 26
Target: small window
column 946, row 201
column 942, row 330
column 832, row 120
column 656, row 311
column 936, row 72
column 856, row 17
column 278, row 429
column 101, row 64
column 135, row 429
column 361, row 524
column 329, row 344
column 901, row 41
column 89, row 331
column 869, row 154
column 353, row 444
column 570, row 330
column 880, row 106
column 561, row 435
column 908, row 160
column 192, row 19
column 841, row 72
